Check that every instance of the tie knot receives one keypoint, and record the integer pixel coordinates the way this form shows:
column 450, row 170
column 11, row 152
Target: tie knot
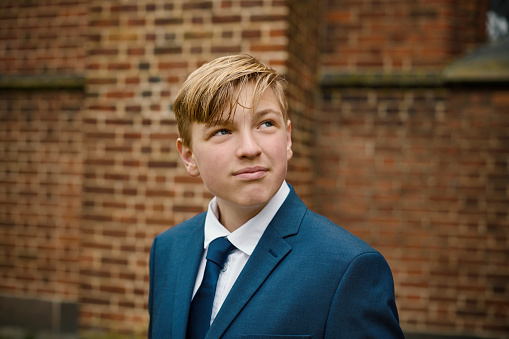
column 218, row 251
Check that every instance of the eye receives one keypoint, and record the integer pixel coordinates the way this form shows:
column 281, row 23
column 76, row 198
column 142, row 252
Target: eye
column 221, row 132
column 268, row 123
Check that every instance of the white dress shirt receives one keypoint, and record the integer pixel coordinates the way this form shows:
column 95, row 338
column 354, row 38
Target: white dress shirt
column 245, row 239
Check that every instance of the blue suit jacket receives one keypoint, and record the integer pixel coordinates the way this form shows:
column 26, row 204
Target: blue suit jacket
column 307, row 278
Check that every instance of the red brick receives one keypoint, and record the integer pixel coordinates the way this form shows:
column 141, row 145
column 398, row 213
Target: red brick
column 222, row 19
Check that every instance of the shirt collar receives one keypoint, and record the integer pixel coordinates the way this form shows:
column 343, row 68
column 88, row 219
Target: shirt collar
column 246, row 237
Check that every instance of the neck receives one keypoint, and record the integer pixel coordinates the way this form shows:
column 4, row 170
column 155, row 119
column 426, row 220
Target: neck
column 232, row 217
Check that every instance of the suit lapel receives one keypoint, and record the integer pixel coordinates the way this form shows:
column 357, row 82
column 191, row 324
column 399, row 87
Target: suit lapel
column 189, row 254
column 271, row 249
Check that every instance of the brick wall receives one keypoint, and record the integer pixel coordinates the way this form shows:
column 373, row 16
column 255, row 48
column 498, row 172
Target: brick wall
column 304, row 33
column 40, row 193
column 384, row 35
column 45, row 37
column 420, row 172
column 40, row 163
column 40, row 202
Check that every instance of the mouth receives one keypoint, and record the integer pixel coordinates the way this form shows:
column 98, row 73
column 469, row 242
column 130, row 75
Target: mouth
column 251, row 173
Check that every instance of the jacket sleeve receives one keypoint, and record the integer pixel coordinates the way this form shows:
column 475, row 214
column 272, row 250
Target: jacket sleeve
column 364, row 304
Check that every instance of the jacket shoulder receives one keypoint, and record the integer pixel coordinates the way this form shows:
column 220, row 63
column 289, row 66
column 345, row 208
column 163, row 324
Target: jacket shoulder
column 315, row 234
column 333, row 238
column 183, row 228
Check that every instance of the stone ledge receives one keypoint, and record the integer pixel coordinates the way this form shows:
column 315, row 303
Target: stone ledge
column 379, row 79
column 487, row 65
column 42, row 81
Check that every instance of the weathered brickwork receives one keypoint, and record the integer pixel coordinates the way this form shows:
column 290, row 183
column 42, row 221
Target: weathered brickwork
column 385, row 35
column 40, row 194
column 422, row 175
column 42, row 37
column 41, row 159
column 304, row 32
column 89, row 177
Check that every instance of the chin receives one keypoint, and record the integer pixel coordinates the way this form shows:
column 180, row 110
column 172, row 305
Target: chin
column 255, row 202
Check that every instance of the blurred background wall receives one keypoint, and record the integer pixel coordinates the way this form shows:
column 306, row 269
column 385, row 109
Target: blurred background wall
column 400, row 136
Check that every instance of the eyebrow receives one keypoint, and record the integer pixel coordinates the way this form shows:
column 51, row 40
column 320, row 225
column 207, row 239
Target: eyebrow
column 261, row 113
column 257, row 115
column 218, row 122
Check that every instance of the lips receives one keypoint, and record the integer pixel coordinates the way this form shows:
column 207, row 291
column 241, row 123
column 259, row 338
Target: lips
column 251, row 173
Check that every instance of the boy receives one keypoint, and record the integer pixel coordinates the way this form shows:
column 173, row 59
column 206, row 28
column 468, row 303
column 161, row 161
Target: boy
column 258, row 263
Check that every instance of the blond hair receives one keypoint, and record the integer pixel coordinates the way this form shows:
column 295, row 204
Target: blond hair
column 209, row 93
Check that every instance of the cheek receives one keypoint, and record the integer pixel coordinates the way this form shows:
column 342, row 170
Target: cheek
column 279, row 152
column 209, row 163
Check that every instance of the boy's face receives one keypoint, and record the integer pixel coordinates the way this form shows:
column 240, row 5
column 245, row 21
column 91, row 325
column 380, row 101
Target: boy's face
column 243, row 161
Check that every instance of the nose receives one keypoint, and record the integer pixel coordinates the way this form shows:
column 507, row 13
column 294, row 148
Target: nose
column 248, row 146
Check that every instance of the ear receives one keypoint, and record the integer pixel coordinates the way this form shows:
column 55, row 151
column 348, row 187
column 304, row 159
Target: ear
column 186, row 153
column 289, row 152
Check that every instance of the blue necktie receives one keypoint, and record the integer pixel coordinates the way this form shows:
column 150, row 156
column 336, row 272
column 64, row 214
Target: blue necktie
column 201, row 306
